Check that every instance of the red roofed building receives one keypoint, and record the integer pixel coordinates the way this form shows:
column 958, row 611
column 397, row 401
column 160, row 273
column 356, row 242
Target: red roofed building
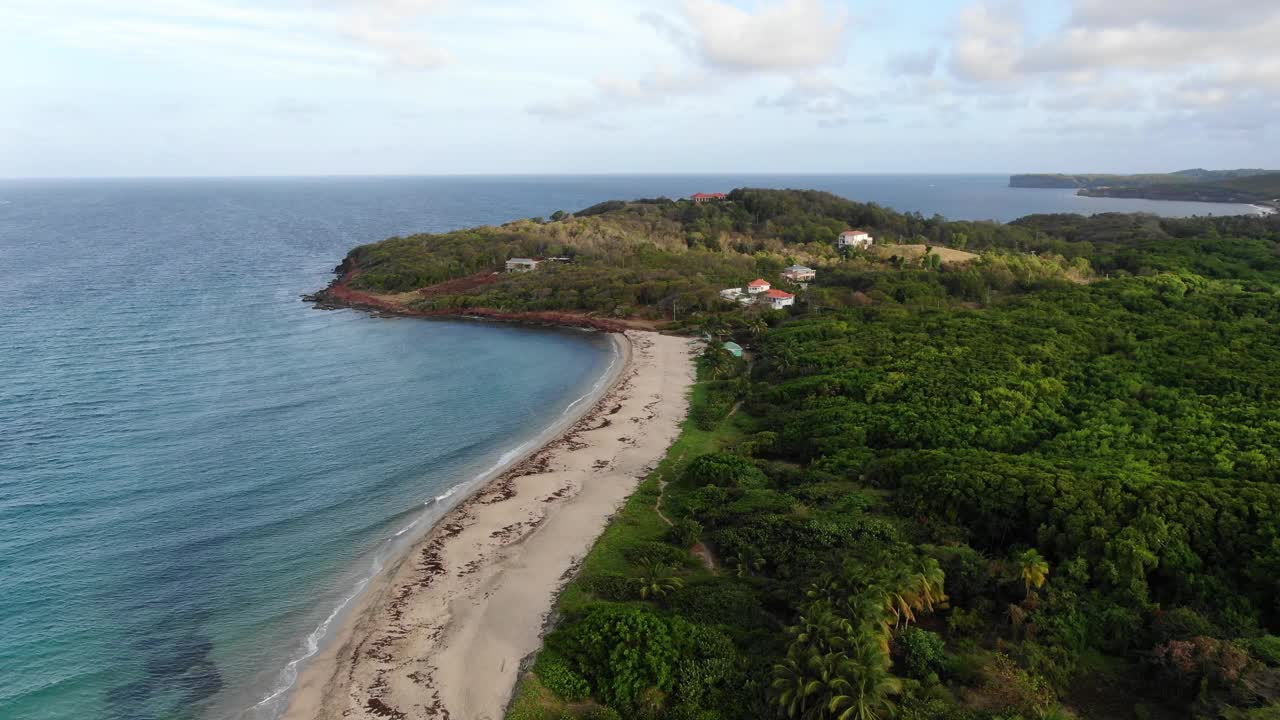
column 757, row 286
column 704, row 197
column 778, row 299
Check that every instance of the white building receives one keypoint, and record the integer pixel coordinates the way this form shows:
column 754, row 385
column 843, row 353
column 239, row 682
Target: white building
column 855, row 239
column 757, row 286
column 799, row 274
column 522, row 264
column 778, row 299
column 736, row 295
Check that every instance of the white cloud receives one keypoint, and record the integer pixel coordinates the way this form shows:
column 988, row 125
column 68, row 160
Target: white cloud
column 722, row 44
column 1174, row 56
column 1120, row 96
column 787, row 35
column 988, row 44
column 817, row 96
column 611, row 93
column 1179, row 13
column 392, row 26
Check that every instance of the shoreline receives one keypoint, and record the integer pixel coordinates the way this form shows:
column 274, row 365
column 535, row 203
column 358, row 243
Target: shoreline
column 339, row 296
column 433, row 514
column 445, row 629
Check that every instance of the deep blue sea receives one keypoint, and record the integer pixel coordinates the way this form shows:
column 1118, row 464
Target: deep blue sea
column 197, row 469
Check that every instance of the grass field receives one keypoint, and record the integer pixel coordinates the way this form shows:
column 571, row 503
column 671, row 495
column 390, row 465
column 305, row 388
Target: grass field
column 915, row 252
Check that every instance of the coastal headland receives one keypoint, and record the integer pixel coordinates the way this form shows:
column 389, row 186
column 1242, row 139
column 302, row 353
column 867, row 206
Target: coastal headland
column 340, row 294
column 444, row 633
column 1260, row 188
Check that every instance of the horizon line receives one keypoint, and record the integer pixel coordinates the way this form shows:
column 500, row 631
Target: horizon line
column 355, row 176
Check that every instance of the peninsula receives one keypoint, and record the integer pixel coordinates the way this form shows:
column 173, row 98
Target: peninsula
column 1249, row 186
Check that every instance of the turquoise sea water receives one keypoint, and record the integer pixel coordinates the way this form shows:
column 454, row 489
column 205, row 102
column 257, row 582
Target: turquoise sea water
column 197, row 469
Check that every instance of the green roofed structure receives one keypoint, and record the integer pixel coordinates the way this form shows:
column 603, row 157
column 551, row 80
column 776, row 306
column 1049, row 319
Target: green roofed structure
column 734, row 349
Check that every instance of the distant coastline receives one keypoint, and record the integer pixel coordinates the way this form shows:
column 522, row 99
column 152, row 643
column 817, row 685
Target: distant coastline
column 1258, row 188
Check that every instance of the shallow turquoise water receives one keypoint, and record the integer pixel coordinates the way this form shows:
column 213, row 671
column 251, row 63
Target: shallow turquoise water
column 196, row 468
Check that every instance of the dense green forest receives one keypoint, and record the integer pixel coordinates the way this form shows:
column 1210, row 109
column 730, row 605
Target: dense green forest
column 991, row 491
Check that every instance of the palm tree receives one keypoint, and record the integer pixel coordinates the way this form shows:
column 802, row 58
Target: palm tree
column 793, row 683
column 822, row 629
column 927, row 584
column 1033, row 569
column 757, row 326
column 713, row 326
column 786, row 357
column 868, row 686
column 656, row 580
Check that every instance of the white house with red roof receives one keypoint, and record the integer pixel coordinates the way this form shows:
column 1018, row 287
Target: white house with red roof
column 706, row 197
column 757, row 286
column 778, row 299
column 855, row 239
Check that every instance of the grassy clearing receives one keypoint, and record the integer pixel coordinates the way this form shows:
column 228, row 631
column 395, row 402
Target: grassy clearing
column 915, row 252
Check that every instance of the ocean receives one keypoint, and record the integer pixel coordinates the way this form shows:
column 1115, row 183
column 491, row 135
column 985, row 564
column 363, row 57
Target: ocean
column 198, row 470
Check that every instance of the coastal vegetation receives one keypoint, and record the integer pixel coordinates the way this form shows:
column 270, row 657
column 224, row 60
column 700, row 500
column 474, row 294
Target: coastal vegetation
column 1040, row 482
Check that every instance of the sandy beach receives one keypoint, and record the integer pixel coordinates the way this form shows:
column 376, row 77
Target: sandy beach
column 443, row 634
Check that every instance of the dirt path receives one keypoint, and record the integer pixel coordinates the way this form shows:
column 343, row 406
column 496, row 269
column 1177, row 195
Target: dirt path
column 701, row 550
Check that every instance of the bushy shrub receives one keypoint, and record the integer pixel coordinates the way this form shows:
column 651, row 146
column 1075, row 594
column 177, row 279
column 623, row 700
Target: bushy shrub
column 966, row 623
column 968, row 572
column 561, row 679
column 724, row 470
column 720, row 601
column 610, row 587
column 708, row 658
column 602, row 713
column 758, row 444
column 686, row 532
column 714, row 408
column 1265, row 648
column 1180, row 623
column 919, row 652
column 621, row 651
column 655, row 552
column 1191, row 665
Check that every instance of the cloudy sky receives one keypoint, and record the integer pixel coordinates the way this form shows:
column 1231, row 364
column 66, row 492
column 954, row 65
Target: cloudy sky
column 273, row 87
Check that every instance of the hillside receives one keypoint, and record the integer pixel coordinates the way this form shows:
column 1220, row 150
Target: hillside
column 1267, row 185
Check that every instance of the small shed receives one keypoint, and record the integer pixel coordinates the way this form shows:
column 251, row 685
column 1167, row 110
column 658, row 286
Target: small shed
column 734, row 349
column 523, row 264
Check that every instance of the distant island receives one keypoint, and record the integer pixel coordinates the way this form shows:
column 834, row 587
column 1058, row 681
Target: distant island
column 1250, row 186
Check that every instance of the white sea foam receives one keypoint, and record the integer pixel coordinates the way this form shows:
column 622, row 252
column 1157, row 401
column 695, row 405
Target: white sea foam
column 595, row 388
column 289, row 675
column 273, row 704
